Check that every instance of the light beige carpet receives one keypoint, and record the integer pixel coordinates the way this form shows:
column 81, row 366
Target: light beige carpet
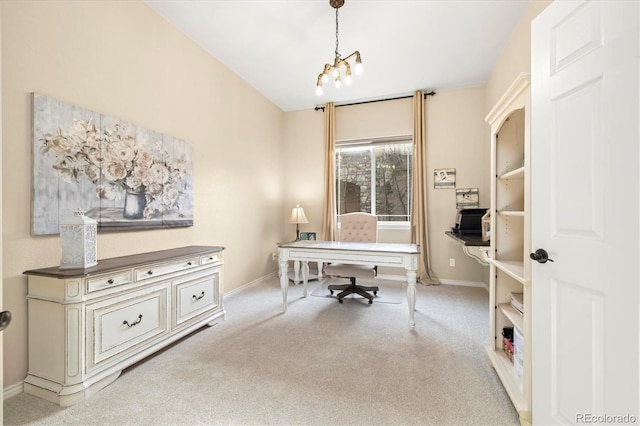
column 321, row 363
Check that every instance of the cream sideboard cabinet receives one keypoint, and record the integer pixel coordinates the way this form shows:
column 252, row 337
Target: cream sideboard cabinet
column 87, row 325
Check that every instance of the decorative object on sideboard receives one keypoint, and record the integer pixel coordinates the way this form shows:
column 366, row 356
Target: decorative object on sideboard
column 78, row 241
column 333, row 71
column 298, row 217
column 127, row 177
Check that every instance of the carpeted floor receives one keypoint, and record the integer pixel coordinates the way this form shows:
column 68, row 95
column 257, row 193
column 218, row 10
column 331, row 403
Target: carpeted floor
column 321, row 363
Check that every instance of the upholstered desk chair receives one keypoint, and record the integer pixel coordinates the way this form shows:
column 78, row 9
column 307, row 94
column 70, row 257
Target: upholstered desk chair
column 360, row 227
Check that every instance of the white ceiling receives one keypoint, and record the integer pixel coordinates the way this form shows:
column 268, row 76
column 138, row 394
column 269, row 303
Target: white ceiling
column 280, row 46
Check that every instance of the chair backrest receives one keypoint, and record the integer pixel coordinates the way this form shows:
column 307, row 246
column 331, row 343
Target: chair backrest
column 358, row 227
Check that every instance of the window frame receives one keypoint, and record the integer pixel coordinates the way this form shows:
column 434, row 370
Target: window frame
column 371, row 144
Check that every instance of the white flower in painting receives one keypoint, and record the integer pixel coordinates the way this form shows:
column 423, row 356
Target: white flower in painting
column 59, row 144
column 144, row 160
column 154, row 189
column 114, row 170
column 158, row 173
column 95, row 157
column 141, row 173
column 134, row 183
column 85, row 133
column 93, row 172
column 121, row 151
column 170, row 195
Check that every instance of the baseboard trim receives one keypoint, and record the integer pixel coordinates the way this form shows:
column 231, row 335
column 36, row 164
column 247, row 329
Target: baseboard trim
column 464, row 283
column 249, row 284
column 441, row 281
column 13, row 390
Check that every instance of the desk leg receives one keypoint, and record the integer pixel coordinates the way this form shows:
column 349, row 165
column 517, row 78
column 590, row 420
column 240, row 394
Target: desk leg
column 284, row 282
column 296, row 272
column 305, row 276
column 411, row 296
column 320, row 270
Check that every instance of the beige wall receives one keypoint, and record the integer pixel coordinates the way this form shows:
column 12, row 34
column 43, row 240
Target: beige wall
column 124, row 60
column 456, row 138
column 516, row 56
column 304, row 172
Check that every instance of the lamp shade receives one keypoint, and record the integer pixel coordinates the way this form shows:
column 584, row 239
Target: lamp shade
column 297, row 215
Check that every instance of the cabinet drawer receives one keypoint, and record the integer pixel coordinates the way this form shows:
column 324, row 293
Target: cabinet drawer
column 160, row 269
column 211, row 258
column 120, row 325
column 195, row 297
column 108, row 281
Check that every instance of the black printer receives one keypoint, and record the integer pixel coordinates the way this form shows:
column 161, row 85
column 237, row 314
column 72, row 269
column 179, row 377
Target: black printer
column 469, row 221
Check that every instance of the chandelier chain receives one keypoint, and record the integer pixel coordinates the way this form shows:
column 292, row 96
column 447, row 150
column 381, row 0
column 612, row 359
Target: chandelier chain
column 337, row 52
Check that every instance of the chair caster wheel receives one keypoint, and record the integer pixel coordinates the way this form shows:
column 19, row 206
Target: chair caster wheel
column 331, row 291
column 371, row 302
column 340, row 300
column 375, row 293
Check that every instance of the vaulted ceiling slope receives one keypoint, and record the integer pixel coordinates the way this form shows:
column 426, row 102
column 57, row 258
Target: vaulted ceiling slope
column 280, row 46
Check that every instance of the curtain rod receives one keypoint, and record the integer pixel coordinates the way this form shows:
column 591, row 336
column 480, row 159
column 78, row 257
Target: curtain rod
column 432, row 93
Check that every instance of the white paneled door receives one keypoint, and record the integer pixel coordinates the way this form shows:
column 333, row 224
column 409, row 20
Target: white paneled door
column 585, row 192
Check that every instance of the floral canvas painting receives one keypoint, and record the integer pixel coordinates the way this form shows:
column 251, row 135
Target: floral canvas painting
column 122, row 175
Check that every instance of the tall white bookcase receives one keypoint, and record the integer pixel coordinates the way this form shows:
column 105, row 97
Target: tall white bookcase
column 510, row 241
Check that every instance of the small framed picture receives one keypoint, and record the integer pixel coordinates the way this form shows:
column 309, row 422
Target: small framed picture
column 466, row 198
column 444, row 178
column 307, row 236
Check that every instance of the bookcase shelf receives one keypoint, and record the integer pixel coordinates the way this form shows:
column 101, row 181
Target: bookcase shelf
column 513, row 174
column 510, row 240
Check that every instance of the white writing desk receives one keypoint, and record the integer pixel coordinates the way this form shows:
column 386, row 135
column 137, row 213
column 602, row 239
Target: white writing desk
column 372, row 254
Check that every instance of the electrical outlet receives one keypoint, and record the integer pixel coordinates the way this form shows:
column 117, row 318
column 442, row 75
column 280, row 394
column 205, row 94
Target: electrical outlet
column 452, row 262
column 273, row 256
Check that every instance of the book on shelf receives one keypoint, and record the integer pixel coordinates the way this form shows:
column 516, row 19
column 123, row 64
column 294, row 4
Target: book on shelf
column 517, row 302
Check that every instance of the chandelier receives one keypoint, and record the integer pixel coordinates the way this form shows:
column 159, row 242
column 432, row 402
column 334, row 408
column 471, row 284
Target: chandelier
column 333, row 71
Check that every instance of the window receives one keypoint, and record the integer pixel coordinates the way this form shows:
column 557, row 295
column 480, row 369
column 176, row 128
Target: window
column 375, row 177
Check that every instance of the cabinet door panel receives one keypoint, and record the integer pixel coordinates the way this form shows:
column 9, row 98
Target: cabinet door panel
column 196, row 297
column 126, row 324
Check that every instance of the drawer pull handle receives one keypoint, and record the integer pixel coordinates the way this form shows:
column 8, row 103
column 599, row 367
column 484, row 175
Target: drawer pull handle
column 198, row 297
column 110, row 281
column 136, row 322
column 211, row 258
column 189, row 263
column 150, row 272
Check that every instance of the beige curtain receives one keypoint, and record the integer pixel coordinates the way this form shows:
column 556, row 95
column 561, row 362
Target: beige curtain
column 419, row 224
column 329, row 212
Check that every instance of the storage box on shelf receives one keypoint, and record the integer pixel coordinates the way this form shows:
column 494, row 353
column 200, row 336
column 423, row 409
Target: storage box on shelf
column 87, row 325
column 509, row 249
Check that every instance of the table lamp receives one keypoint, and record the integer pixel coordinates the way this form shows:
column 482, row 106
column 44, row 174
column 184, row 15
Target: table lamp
column 298, row 217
